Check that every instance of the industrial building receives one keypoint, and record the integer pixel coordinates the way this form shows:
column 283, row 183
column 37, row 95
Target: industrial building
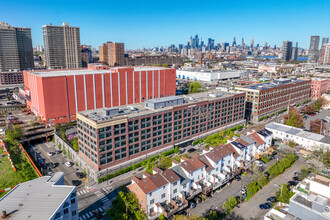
column 267, row 98
column 113, row 136
column 307, row 140
column 56, row 95
column 207, row 75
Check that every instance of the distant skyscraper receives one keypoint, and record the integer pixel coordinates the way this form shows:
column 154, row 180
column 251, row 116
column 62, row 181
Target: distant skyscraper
column 16, row 52
column 242, row 44
column 252, row 42
column 62, row 46
column 210, row 44
column 325, row 40
column 39, row 48
column 294, row 53
column 313, row 52
column 325, row 54
column 112, row 53
column 286, row 50
column 234, row 42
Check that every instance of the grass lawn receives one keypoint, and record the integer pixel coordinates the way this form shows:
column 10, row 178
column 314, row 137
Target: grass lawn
column 25, row 171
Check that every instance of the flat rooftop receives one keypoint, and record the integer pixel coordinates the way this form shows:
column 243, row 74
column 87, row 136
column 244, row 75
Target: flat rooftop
column 269, row 85
column 298, row 132
column 84, row 71
column 36, row 199
column 139, row 109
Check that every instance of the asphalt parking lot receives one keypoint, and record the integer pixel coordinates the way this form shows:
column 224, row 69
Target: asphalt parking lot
column 250, row 209
column 221, row 196
column 320, row 115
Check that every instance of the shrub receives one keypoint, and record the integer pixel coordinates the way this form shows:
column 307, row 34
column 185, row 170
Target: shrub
column 176, row 149
column 59, row 146
column 230, row 204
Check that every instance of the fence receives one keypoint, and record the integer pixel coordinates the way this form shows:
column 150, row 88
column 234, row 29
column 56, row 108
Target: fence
column 8, row 155
column 31, row 161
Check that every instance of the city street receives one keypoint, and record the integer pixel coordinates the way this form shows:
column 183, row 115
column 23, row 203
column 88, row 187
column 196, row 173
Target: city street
column 86, row 196
column 221, row 196
column 250, row 209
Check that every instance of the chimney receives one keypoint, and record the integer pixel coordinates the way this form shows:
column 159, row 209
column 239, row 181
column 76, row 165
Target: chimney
column 4, row 214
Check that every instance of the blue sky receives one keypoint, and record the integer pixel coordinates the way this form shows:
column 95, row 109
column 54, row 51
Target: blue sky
column 163, row 22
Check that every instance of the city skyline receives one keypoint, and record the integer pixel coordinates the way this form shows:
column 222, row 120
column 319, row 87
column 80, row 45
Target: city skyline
column 152, row 24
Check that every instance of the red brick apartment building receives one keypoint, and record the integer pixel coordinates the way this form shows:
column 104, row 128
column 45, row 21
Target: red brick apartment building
column 110, row 137
column 318, row 87
column 56, row 95
column 267, row 98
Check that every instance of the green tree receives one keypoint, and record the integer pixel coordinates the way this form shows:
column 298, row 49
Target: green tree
column 230, row 203
column 251, row 189
column 59, row 146
column 125, row 207
column 194, row 87
column 315, row 126
column 164, row 162
column 53, row 140
column 294, row 118
column 75, row 145
column 64, row 150
column 284, row 194
column 14, row 134
column 57, row 126
column 292, row 144
column 176, row 149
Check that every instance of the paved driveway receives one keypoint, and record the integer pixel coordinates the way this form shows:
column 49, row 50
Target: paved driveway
column 320, row 115
column 221, row 196
column 250, row 209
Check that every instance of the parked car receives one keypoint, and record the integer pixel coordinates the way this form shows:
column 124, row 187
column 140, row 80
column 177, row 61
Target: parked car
column 52, row 165
column 272, row 199
column 97, row 214
column 76, row 182
column 68, row 164
column 295, row 178
column 191, row 150
column 50, row 153
column 192, row 204
column 58, row 151
column 80, row 175
column 238, row 178
column 258, row 163
column 266, row 205
column 292, row 183
column 243, row 190
column 311, row 114
column 296, row 173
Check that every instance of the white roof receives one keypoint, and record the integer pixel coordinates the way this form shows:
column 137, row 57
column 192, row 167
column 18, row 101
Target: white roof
column 36, row 199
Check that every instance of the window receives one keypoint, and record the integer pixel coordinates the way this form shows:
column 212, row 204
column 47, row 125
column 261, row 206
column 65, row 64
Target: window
column 184, row 185
column 163, row 195
column 174, row 191
column 174, row 184
column 66, row 211
column 73, row 201
column 74, row 213
column 141, row 201
column 150, row 194
column 152, row 201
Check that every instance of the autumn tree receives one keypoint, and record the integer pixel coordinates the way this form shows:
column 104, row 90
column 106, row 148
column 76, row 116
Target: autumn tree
column 308, row 109
column 294, row 118
column 316, row 126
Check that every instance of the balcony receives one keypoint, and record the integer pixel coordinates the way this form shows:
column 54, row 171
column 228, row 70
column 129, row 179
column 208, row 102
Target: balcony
column 175, row 205
column 193, row 192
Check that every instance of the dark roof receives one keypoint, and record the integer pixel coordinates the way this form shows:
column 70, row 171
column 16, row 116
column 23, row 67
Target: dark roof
column 264, row 132
column 178, row 170
column 240, row 143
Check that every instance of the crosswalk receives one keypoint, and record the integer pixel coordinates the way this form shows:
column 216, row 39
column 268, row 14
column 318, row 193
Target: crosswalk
column 90, row 215
column 105, row 199
column 98, row 194
column 82, row 192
